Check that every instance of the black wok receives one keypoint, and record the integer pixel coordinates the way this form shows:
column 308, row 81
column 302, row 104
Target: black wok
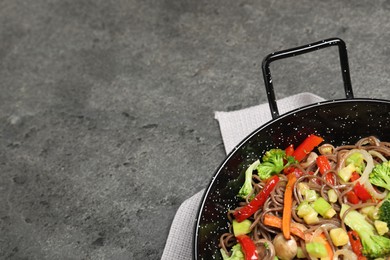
column 340, row 122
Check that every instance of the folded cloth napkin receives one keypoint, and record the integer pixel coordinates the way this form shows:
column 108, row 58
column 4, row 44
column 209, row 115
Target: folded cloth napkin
column 234, row 127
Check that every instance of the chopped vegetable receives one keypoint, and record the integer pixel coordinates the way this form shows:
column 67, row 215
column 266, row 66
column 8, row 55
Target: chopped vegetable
column 309, row 215
column 274, row 221
column 374, row 245
column 248, row 247
column 310, row 195
column 316, row 249
column 381, row 227
column 332, row 196
column 236, row 253
column 311, row 218
column 330, row 178
column 241, row 228
column 384, row 212
column 352, row 197
column 296, row 171
column 247, row 188
column 339, row 236
column 248, row 210
column 323, row 208
column 307, row 146
column 304, row 209
column 303, row 187
column 354, row 176
column 273, row 162
column 289, row 150
column 371, row 212
column 380, row 175
column 361, row 192
column 323, row 164
column 357, row 160
column 355, row 242
column 326, row 149
column 288, row 194
column 323, row 240
column 345, row 173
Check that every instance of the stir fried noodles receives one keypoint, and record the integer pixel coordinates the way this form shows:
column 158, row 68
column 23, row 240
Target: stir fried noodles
column 314, row 201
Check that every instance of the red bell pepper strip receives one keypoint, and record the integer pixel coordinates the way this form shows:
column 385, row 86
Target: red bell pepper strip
column 248, row 210
column 307, row 146
column 324, row 166
column 289, row 150
column 296, row 171
column 323, row 163
column 356, row 244
column 329, row 177
column 354, row 176
column 248, row 247
column 361, row 192
column 352, row 197
column 288, row 170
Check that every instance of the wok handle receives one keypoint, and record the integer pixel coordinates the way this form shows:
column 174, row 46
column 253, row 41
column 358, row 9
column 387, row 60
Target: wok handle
column 301, row 50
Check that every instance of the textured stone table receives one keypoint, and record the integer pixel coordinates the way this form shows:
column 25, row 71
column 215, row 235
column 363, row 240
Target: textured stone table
column 107, row 107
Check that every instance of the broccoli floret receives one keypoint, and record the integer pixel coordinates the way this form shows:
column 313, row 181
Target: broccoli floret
column 274, row 161
column 247, row 188
column 265, row 170
column 374, row 245
column 236, row 253
column 380, row 175
column 384, row 212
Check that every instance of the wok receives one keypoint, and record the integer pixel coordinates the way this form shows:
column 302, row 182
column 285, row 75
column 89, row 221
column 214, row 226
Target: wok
column 340, row 121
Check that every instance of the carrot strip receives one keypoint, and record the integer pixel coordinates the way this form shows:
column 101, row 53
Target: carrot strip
column 274, row 221
column 327, row 246
column 288, row 194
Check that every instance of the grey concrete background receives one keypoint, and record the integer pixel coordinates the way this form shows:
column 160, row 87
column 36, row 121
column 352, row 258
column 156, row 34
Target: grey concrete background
column 106, row 107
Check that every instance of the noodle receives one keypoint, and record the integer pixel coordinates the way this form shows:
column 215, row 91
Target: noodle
column 263, row 235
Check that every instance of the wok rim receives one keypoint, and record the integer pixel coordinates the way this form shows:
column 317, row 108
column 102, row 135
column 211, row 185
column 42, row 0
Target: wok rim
column 216, row 173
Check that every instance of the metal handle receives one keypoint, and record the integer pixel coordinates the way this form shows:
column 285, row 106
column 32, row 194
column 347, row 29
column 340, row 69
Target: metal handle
column 301, row 50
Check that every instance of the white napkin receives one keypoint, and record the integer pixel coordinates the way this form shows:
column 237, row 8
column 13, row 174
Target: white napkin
column 234, row 127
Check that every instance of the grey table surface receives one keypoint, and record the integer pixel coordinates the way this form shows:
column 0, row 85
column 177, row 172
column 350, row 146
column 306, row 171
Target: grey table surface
column 107, row 107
